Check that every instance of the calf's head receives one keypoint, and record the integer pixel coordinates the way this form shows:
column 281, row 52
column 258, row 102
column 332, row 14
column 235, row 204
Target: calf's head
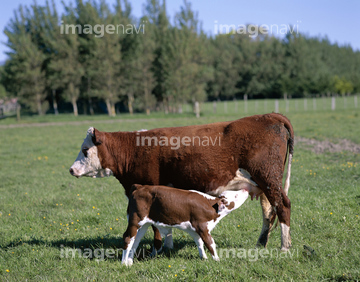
column 231, row 200
column 88, row 162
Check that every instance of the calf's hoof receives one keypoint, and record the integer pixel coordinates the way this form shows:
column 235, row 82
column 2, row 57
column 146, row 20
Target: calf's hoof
column 155, row 252
column 128, row 262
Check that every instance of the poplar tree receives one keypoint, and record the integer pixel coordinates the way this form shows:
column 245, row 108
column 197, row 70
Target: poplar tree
column 25, row 67
column 138, row 57
column 186, row 60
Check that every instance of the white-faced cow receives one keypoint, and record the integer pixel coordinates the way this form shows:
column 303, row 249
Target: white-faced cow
column 164, row 207
column 250, row 153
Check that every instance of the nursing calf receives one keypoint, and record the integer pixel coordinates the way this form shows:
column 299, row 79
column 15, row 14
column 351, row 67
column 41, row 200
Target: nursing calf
column 191, row 211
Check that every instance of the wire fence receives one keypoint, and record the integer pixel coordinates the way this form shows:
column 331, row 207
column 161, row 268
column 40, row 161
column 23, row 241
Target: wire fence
column 261, row 106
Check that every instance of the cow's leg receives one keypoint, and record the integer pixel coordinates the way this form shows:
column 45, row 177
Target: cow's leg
column 132, row 238
column 157, row 248
column 281, row 203
column 168, row 242
column 269, row 216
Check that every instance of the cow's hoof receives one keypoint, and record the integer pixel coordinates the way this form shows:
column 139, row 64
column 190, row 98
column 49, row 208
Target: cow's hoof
column 285, row 249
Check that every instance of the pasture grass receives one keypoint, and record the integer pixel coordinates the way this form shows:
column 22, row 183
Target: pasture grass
column 46, row 215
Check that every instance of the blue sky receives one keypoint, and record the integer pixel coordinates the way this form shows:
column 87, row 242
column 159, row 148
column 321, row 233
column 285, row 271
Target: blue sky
column 339, row 20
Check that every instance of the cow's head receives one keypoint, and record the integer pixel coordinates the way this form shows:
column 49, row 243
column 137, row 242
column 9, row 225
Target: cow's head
column 88, row 162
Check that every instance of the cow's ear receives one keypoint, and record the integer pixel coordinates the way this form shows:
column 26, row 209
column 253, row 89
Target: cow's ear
column 98, row 137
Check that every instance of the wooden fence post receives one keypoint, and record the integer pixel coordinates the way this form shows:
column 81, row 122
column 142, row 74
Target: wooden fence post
column 245, row 103
column 265, row 106
column 355, row 100
column 276, row 105
column 333, row 103
column 18, row 108
column 197, row 109
column 214, row 107
column 287, row 102
column 314, row 104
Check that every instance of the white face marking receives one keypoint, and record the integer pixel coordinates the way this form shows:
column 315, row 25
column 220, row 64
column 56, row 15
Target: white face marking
column 87, row 162
column 237, row 197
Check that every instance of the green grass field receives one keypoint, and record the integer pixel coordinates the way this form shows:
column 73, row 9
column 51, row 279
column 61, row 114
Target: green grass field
column 46, row 215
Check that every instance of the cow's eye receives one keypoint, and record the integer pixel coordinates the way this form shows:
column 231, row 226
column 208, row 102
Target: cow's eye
column 84, row 150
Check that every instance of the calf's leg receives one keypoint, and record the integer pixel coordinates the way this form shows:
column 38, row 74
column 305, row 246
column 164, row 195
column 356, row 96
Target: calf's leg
column 208, row 241
column 132, row 238
column 168, row 242
column 199, row 243
column 157, row 242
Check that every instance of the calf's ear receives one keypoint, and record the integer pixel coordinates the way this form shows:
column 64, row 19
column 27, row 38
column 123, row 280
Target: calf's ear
column 134, row 187
column 98, row 137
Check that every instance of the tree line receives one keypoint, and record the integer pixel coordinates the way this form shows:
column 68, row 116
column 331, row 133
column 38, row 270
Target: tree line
column 95, row 54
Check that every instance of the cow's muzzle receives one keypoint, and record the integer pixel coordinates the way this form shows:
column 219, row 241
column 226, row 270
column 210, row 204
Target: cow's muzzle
column 73, row 173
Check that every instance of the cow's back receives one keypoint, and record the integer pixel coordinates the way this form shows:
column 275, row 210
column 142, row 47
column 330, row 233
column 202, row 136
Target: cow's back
column 245, row 143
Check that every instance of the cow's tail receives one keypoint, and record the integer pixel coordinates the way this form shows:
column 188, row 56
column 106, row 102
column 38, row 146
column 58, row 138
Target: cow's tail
column 290, row 145
column 289, row 156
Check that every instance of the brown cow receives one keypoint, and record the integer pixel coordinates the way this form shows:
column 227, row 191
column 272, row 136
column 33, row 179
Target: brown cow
column 191, row 211
column 249, row 152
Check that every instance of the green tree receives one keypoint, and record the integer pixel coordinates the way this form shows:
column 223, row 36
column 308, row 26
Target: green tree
column 138, row 56
column 158, row 21
column 3, row 93
column 25, row 69
column 342, row 85
column 225, row 57
column 185, row 60
column 65, row 70
column 101, row 50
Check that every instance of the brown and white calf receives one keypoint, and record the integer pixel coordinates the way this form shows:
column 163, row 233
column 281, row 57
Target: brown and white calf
column 191, row 211
column 250, row 153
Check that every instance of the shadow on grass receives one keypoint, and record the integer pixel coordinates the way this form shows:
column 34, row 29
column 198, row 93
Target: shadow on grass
column 102, row 248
